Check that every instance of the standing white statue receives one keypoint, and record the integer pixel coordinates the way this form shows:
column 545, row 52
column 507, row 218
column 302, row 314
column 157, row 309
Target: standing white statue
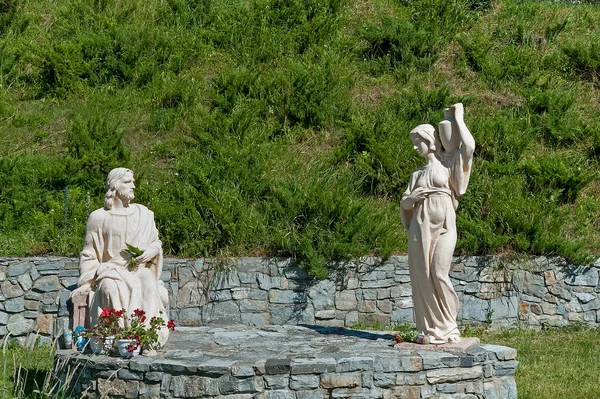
column 428, row 213
column 105, row 268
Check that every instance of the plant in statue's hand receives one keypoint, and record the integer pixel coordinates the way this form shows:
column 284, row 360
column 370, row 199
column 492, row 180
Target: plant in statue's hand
column 134, row 252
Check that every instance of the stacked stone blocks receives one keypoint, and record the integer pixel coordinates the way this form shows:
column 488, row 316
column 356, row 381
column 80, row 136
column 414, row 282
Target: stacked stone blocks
column 34, row 293
column 484, row 371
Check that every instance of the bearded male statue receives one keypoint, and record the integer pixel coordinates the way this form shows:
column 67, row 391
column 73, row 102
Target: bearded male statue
column 114, row 279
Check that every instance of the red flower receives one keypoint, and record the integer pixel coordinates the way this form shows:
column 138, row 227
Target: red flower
column 106, row 312
column 397, row 338
column 139, row 312
column 143, row 319
column 171, row 325
column 118, row 313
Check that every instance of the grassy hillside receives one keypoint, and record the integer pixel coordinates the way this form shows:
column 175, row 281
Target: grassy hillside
column 281, row 127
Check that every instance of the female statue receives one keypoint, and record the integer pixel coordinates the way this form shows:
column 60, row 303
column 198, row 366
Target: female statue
column 428, row 213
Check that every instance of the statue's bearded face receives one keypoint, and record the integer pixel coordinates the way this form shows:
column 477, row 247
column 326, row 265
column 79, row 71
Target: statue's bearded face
column 125, row 186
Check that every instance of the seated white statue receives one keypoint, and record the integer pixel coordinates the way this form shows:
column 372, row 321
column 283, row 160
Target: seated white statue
column 105, row 268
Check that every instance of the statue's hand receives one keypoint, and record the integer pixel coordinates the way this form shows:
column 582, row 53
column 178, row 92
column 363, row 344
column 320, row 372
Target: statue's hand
column 84, row 289
column 147, row 256
column 458, row 111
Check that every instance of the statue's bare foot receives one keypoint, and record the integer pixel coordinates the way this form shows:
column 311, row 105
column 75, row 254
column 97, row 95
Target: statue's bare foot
column 454, row 339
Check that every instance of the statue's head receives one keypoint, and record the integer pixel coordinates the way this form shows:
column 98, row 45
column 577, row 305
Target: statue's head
column 425, row 133
column 119, row 183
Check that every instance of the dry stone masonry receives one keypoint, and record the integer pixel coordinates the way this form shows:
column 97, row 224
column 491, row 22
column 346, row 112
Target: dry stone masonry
column 294, row 362
column 34, row 293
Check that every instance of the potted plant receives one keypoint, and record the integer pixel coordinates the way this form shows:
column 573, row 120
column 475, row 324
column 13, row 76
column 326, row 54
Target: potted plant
column 138, row 333
column 101, row 337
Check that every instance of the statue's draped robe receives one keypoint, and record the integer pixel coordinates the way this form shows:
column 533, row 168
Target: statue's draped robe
column 431, row 226
column 102, row 259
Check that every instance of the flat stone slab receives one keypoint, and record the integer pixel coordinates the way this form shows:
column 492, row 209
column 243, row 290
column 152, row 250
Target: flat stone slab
column 455, row 347
column 296, row 362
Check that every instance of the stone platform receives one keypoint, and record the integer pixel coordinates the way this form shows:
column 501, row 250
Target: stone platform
column 294, row 362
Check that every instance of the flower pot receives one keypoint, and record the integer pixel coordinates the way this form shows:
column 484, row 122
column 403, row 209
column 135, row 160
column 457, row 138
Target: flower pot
column 101, row 346
column 124, row 344
column 96, row 345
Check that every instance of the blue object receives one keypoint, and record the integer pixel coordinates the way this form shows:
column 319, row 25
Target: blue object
column 80, row 339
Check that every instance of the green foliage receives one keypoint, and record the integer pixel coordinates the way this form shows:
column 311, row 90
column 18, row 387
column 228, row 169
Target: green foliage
column 280, row 127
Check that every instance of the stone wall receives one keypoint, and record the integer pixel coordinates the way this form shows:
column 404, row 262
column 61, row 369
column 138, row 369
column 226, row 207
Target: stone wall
column 34, row 293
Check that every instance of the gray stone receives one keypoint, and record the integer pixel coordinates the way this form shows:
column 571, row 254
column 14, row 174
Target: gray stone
column 385, row 305
column 69, row 282
column 502, row 369
column 30, row 314
column 351, row 318
column 154, row 376
column 441, row 376
column 225, row 280
column 240, row 293
column 585, row 297
column 25, row 281
column 313, row 366
column 303, row 382
column 247, row 277
column 474, row 309
column 403, row 316
column 322, row 294
column 446, row 388
column 374, row 275
column 63, row 299
column 125, row 374
column 505, row 307
column 10, row 290
column 286, row 296
column 436, row 360
column 193, row 386
column 410, row 379
column 190, row 316
column 234, row 385
column 266, row 282
column 356, row 363
column 278, row 366
column 47, row 284
column 287, row 314
column 18, row 269
column 368, row 294
column 273, row 382
column 384, row 380
column 592, row 305
column 18, row 325
column 221, row 313
column 215, row 367
column 3, row 318
column 14, row 305
column 256, row 319
column 280, row 395
column 220, row 296
column 346, row 300
column 397, row 364
column 501, row 352
column 325, row 314
column 384, row 283
column 582, row 276
column 173, row 366
column 500, row 388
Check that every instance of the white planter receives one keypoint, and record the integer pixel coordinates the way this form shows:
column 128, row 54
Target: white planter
column 122, row 345
column 100, row 347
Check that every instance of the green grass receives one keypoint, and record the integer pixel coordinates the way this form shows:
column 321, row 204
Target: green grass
column 280, row 127
column 24, row 371
column 554, row 363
